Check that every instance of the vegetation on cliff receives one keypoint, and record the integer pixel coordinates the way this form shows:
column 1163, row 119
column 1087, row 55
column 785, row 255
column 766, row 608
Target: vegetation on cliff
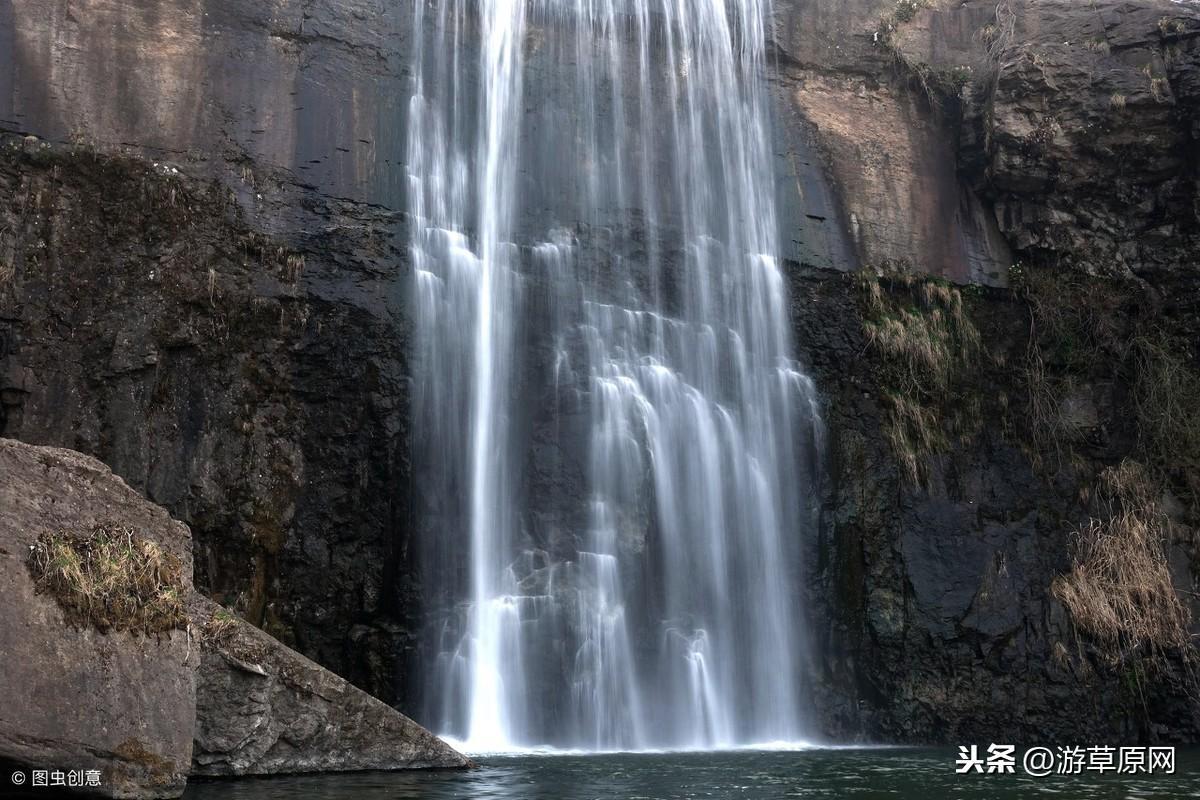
column 1119, row 589
column 112, row 579
column 1098, row 392
column 920, row 327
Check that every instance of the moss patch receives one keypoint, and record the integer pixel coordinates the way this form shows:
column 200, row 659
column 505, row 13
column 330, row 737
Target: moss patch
column 159, row 770
column 110, row 579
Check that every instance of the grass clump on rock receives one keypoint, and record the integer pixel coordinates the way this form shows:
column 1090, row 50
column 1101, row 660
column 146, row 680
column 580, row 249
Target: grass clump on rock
column 219, row 627
column 110, row 579
column 920, row 328
column 1119, row 589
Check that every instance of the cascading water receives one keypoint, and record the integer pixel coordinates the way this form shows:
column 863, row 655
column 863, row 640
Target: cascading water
column 614, row 447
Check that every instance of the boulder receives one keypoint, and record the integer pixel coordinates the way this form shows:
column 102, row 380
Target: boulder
column 122, row 684
column 77, row 698
column 264, row 709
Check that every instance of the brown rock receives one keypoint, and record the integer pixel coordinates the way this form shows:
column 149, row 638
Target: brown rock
column 76, row 698
column 885, row 144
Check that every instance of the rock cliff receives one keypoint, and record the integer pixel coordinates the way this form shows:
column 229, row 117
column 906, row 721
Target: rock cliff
column 263, row 709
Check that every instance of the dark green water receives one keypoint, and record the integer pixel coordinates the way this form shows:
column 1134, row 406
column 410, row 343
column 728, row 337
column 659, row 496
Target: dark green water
column 883, row 773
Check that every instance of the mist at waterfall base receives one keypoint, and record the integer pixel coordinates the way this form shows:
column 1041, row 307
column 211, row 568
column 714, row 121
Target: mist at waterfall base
column 615, row 450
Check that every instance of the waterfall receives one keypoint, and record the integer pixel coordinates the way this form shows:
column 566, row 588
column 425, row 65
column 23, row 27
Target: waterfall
column 613, row 444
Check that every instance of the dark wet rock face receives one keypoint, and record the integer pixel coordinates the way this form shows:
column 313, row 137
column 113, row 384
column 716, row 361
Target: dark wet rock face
column 117, row 702
column 147, row 324
column 937, row 621
column 251, row 375
column 1075, row 127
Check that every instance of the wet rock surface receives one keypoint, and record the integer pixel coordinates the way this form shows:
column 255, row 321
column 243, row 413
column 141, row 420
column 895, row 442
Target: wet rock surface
column 214, row 369
column 936, row 619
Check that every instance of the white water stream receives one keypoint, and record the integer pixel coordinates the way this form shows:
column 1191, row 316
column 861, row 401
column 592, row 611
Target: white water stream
column 591, row 194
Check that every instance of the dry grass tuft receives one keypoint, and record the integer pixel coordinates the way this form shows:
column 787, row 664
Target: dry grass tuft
column 920, row 326
column 915, row 434
column 111, row 579
column 1120, row 589
column 1160, row 90
column 219, row 627
column 929, row 338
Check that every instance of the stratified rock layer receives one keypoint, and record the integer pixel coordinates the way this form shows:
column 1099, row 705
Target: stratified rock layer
column 76, row 698
column 966, row 134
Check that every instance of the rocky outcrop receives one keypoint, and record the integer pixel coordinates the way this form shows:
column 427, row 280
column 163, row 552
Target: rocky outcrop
column 225, row 375
column 264, row 709
column 1078, row 126
column 245, row 363
column 130, row 704
column 959, row 132
column 1073, row 127
column 893, row 166
column 80, row 699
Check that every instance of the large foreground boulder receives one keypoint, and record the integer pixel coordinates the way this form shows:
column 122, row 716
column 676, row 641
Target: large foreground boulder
column 75, row 697
column 113, row 663
column 265, row 709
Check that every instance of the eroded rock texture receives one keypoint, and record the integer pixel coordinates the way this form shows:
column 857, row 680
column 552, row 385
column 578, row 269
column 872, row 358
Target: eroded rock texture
column 131, row 705
column 145, row 324
column 264, row 709
column 79, row 698
column 252, row 378
column 892, row 160
column 1073, row 128
column 960, row 131
column 941, row 621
